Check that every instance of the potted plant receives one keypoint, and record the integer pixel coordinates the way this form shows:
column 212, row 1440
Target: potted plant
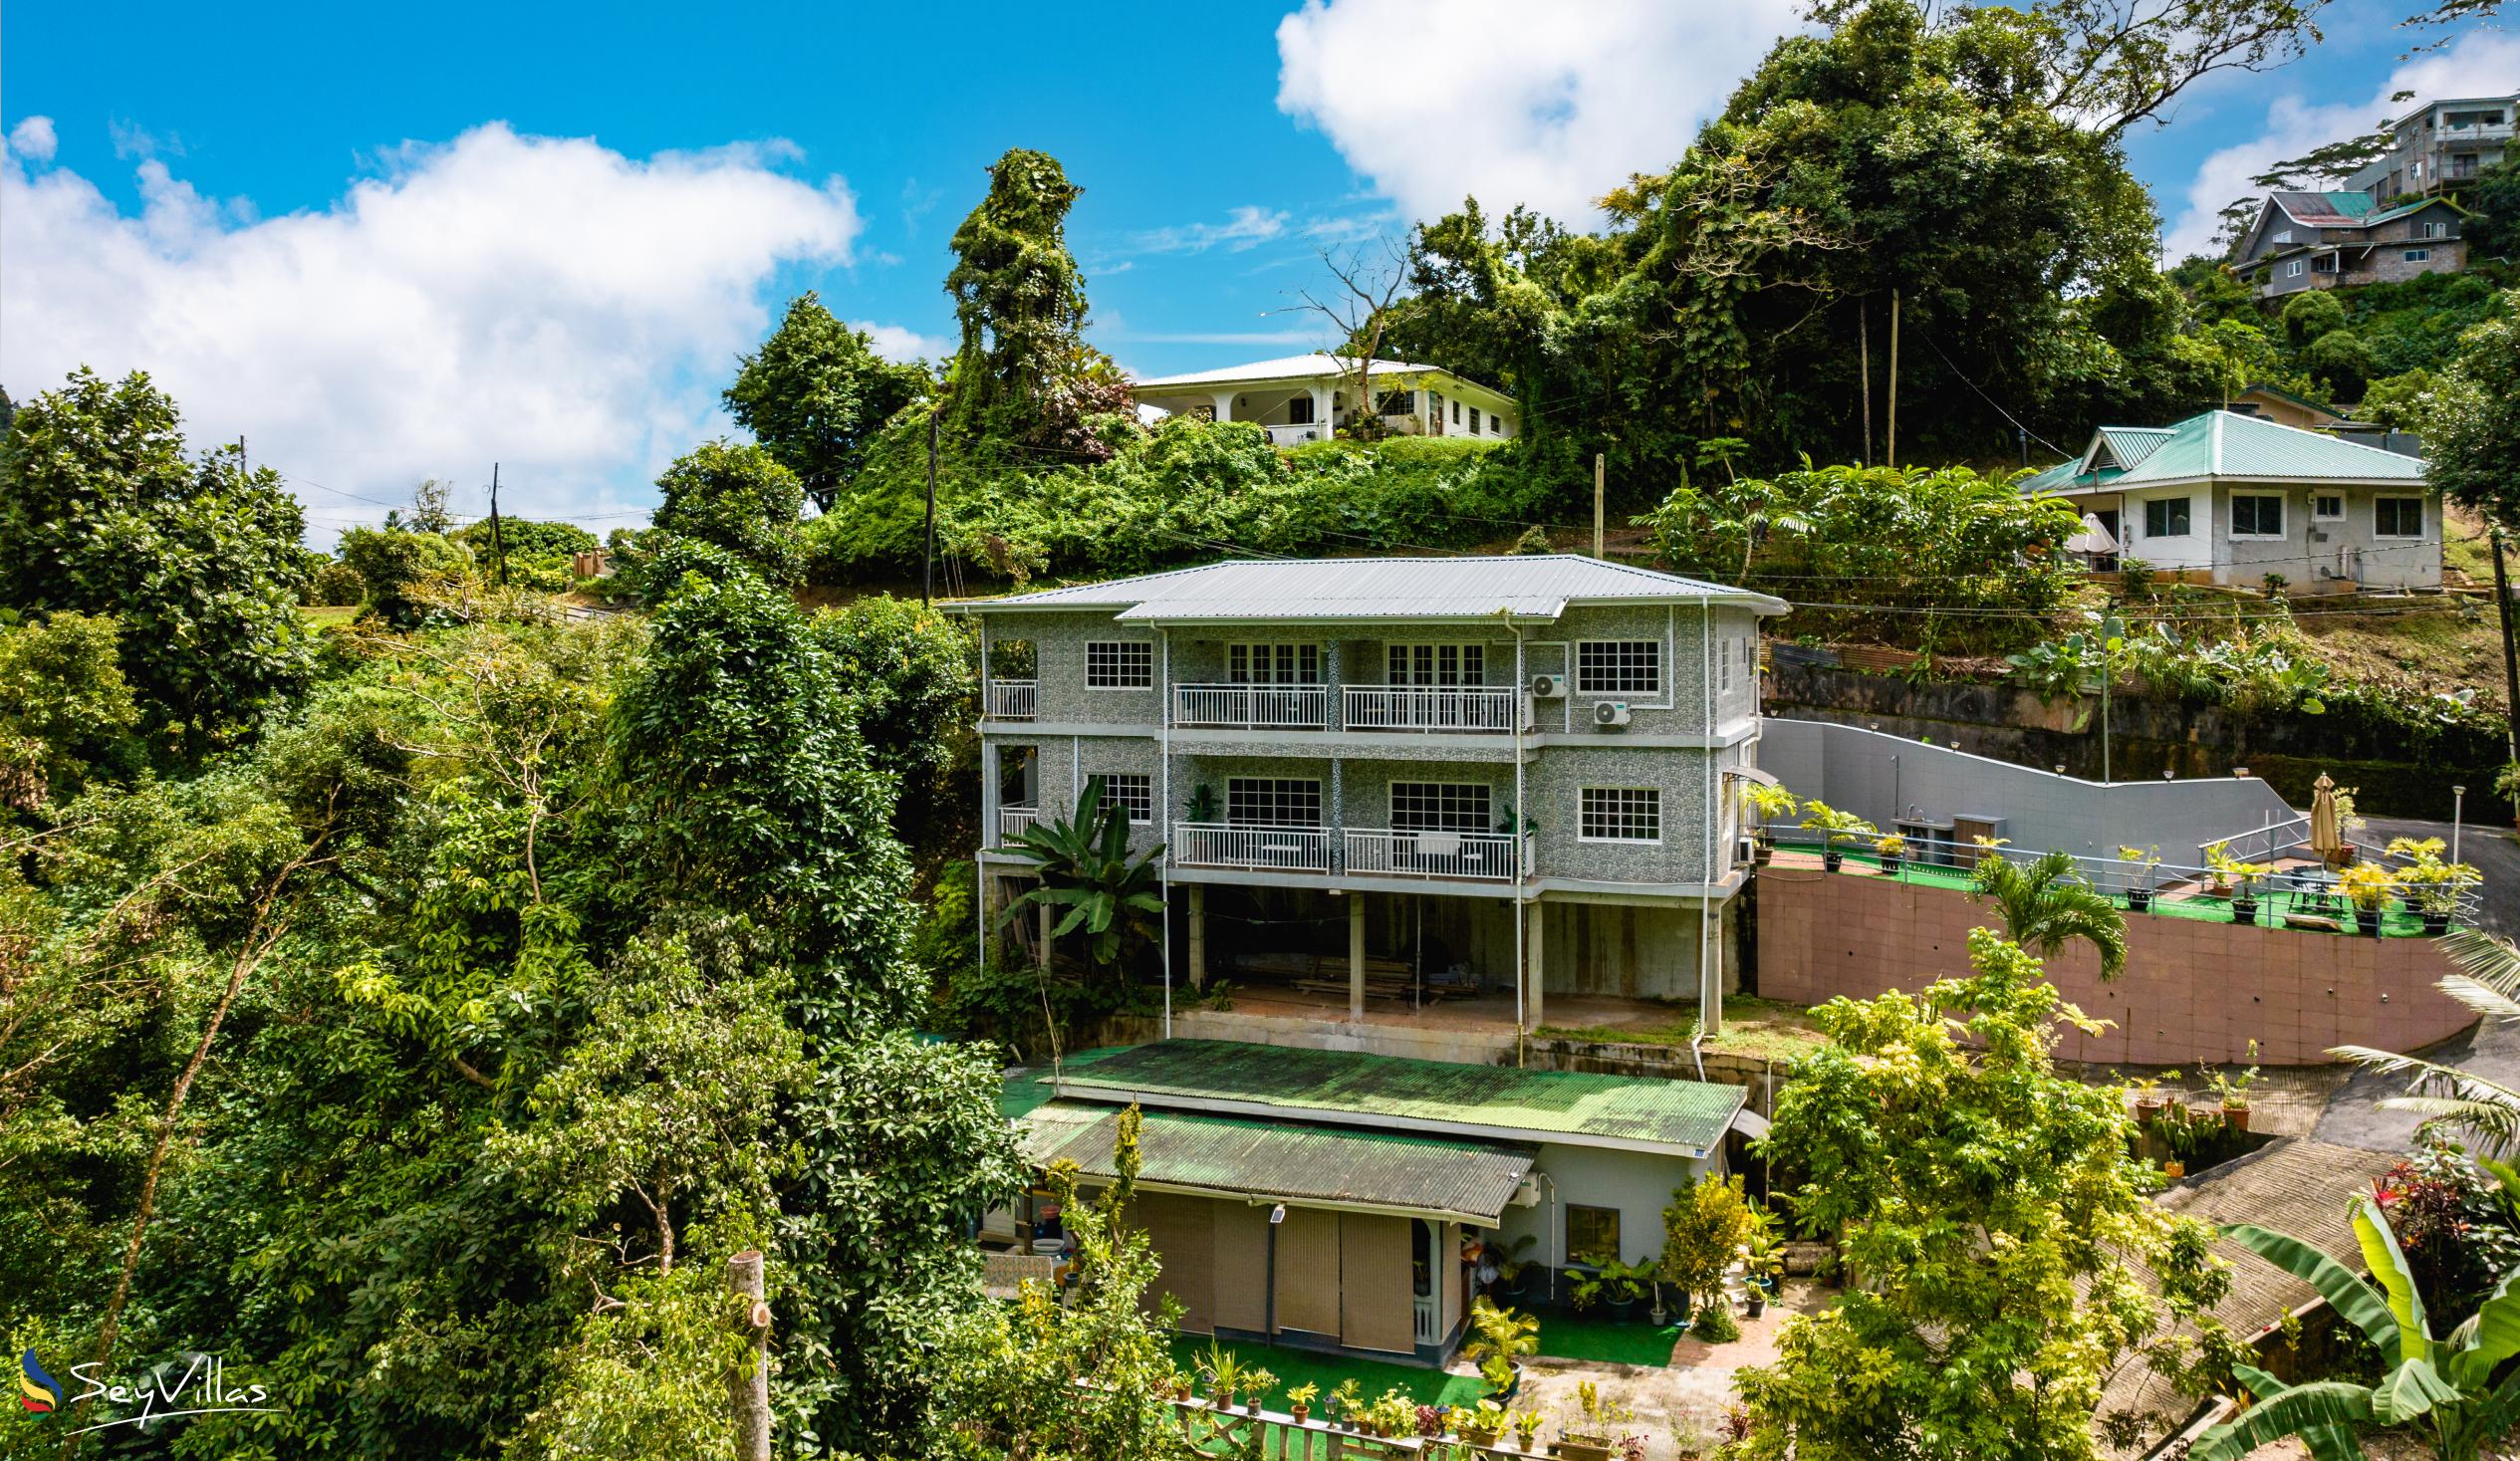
column 1299, row 1401
column 1586, row 1435
column 2219, row 865
column 1837, row 830
column 2140, row 894
column 2148, row 1099
column 1772, row 803
column 1499, row 1338
column 1762, row 1258
column 1585, row 1286
column 2429, row 883
column 2234, row 1091
column 1395, row 1414
column 1202, row 807
column 1256, row 1385
column 1627, row 1288
column 2245, row 877
column 1513, row 1271
column 1223, row 1374
column 1482, row 1426
column 1432, row 1420
column 2366, row 885
column 1180, row 1386
column 1345, row 1404
column 1526, row 1428
column 1890, row 849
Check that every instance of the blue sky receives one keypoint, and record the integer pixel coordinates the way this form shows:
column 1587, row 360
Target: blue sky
column 387, row 245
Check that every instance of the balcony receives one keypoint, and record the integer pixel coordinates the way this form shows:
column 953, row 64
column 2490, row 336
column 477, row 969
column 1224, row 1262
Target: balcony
column 1251, row 849
column 1291, row 433
column 1477, row 856
column 1428, row 708
column 1014, row 699
column 1012, row 822
column 1252, row 707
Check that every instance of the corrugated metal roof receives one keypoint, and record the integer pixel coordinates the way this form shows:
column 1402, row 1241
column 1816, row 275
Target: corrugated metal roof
column 2324, row 210
column 1285, row 1162
column 1635, row 1113
column 1531, row 587
column 2227, row 444
column 1286, row 368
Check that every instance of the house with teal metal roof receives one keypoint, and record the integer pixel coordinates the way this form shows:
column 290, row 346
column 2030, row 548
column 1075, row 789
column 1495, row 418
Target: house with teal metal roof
column 2320, row 240
column 2226, row 498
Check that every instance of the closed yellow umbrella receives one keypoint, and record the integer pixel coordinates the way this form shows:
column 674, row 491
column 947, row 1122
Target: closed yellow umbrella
column 2323, row 820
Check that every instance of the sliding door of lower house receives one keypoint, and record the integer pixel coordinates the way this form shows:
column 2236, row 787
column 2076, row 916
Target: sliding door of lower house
column 1183, row 1231
column 1376, row 1289
column 1308, row 1273
column 1242, row 1270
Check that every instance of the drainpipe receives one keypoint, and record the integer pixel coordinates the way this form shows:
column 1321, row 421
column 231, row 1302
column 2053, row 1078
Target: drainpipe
column 1163, row 818
column 1711, row 980
column 980, row 876
column 1522, row 815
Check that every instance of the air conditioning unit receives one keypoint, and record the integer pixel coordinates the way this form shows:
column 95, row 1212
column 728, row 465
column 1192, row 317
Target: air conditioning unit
column 1611, row 712
column 1548, row 687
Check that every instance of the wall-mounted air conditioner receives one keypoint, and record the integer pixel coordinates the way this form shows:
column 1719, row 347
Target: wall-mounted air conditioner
column 1548, row 687
column 1611, row 712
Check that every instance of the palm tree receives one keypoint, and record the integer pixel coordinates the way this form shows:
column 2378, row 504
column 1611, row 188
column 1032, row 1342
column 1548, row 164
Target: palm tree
column 2444, row 1386
column 2046, row 905
column 2490, row 984
column 1085, row 867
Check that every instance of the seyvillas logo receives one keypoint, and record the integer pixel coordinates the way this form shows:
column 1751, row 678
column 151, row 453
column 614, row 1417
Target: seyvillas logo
column 38, row 1393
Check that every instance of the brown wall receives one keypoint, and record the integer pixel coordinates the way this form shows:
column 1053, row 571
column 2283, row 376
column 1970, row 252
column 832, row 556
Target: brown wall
column 2193, row 990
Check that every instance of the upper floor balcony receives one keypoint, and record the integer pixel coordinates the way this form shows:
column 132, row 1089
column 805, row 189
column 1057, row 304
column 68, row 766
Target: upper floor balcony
column 1482, row 856
column 1469, row 709
column 1014, row 699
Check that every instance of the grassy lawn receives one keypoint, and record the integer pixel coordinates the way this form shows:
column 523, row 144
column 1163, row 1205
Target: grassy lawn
column 1605, row 1341
column 1302, row 1367
column 1760, row 1027
column 331, row 615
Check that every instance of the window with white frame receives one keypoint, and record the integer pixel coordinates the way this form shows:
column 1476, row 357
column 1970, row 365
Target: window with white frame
column 2165, row 517
column 1273, row 664
column 2257, row 515
column 1620, row 815
column 2436, row 230
column 2283, row 235
column 2327, row 507
column 1119, row 664
column 1134, row 792
column 2398, row 517
column 1262, row 801
column 1619, row 667
column 1723, row 666
column 1395, row 404
column 1439, row 805
column 1436, row 665
column 2293, row 269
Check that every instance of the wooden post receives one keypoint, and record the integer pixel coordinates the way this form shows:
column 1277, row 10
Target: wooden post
column 1601, row 477
column 1198, row 935
column 1863, row 370
column 1536, row 999
column 1356, row 957
column 748, row 1387
column 1890, row 456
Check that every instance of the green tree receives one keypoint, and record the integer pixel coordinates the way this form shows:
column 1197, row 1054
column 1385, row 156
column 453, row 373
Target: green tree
column 406, row 573
column 2443, row 1388
column 2397, row 401
column 1704, row 1227
column 1084, row 865
column 526, row 538
column 739, row 498
column 2492, row 225
column 200, row 561
column 1997, row 1217
column 910, row 676
column 2046, row 904
column 2310, row 314
column 2472, row 433
column 2341, row 362
column 815, row 393
column 65, row 708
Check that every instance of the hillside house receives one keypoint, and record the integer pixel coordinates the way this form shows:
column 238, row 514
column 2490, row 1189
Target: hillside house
column 2307, row 240
column 1307, row 398
column 2441, row 145
column 2229, row 499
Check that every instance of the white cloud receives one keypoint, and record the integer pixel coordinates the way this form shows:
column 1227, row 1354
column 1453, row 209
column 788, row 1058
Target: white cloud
column 33, row 139
column 543, row 303
column 1244, row 229
column 1489, row 97
column 2480, row 63
column 900, row 343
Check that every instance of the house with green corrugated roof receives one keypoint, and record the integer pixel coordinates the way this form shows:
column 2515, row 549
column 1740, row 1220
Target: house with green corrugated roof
column 2320, row 240
column 2226, row 498
column 1340, row 1200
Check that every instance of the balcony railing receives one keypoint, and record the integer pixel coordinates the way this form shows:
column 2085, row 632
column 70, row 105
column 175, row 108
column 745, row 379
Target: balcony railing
column 1014, row 699
column 1255, row 848
column 1012, row 822
column 1471, row 855
column 1289, row 434
column 1428, row 708
column 1246, row 707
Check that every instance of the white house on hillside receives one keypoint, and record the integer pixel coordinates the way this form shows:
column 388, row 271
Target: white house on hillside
column 1306, row 398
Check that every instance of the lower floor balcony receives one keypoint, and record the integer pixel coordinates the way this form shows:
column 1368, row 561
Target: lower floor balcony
column 1356, row 851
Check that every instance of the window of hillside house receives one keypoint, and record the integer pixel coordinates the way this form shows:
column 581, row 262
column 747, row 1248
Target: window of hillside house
column 1437, row 806
column 2165, row 517
column 2416, row 256
column 1260, row 801
column 2254, row 514
column 1132, row 792
column 1299, row 412
column 2326, row 264
column 1121, row 664
column 1437, row 665
column 1456, row 410
column 1273, row 664
column 2293, row 269
column 1435, row 409
column 1620, row 815
column 1592, row 1234
column 1395, row 404
column 2328, row 507
column 1495, row 425
column 1619, row 667
column 2398, row 517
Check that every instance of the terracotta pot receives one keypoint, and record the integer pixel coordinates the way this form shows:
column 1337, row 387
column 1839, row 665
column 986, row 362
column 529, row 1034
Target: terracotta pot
column 1478, row 1437
column 2173, row 1169
column 1298, row 1412
column 2238, row 1116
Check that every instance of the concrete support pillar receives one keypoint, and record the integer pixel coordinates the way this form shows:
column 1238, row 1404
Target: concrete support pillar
column 1356, row 957
column 1043, row 953
column 1321, row 409
column 1198, row 936
column 1534, row 1002
column 1224, row 404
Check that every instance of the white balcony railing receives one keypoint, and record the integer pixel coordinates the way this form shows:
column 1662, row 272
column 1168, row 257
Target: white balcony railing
column 1471, row 855
column 1290, row 433
column 1258, row 849
column 1014, row 699
column 1428, row 708
column 1239, row 707
column 1012, row 822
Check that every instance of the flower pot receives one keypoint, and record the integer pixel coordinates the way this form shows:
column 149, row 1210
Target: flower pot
column 2149, row 1107
column 2436, row 924
column 1890, row 867
column 1224, row 1402
column 1478, row 1437
column 1623, row 1310
column 2236, row 1116
column 2173, row 1169
column 1756, row 1304
column 1582, row 1448
column 2368, row 919
column 1300, row 1412
column 2139, row 899
column 1829, row 862
column 1762, row 855
column 2245, row 910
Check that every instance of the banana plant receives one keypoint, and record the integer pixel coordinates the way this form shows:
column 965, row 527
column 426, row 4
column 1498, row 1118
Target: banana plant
column 2442, row 1386
column 1085, row 867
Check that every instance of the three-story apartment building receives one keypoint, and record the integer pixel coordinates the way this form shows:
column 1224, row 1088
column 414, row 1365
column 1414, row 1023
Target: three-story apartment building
column 1500, row 772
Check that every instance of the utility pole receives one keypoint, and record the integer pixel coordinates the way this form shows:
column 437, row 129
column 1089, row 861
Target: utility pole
column 498, row 549
column 1601, row 476
column 2024, row 433
column 241, row 469
column 928, row 583
column 2510, row 653
column 1864, row 370
column 748, row 1386
column 1890, row 456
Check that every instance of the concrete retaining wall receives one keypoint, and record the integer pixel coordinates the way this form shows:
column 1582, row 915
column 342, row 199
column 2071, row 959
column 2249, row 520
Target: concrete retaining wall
column 2192, row 991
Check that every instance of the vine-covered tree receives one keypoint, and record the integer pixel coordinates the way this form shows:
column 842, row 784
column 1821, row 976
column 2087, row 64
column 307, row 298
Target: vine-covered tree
column 814, row 395
column 736, row 496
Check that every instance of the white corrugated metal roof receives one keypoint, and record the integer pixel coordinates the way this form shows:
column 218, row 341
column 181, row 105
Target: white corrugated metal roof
column 1318, row 365
column 1523, row 586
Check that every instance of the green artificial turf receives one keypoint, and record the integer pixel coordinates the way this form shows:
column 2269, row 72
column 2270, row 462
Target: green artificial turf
column 1606, row 1341
column 2272, row 905
column 1303, row 1367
